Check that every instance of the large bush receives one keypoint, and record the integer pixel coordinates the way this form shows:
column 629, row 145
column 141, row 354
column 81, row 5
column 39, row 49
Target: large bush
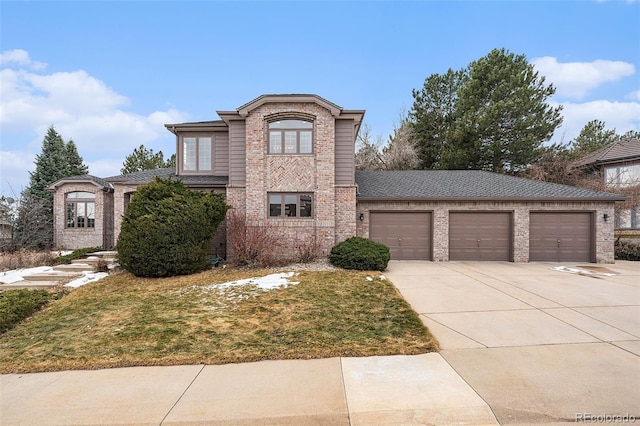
column 166, row 228
column 627, row 250
column 360, row 253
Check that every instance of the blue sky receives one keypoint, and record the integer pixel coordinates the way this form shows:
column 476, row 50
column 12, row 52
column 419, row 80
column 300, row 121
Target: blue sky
column 110, row 74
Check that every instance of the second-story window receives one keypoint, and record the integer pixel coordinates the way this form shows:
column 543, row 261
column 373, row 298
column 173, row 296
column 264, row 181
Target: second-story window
column 196, row 153
column 622, row 176
column 290, row 137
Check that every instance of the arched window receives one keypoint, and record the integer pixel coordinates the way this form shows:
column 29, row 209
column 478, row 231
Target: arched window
column 81, row 209
column 290, row 137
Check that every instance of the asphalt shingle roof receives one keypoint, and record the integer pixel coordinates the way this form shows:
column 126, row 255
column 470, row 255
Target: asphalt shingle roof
column 625, row 149
column 466, row 185
column 96, row 179
column 146, row 176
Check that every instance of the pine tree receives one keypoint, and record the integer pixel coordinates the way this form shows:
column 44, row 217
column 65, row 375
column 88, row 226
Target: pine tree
column 145, row 159
column 51, row 165
column 493, row 115
column 76, row 164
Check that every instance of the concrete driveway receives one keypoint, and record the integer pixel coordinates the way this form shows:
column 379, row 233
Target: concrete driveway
column 538, row 342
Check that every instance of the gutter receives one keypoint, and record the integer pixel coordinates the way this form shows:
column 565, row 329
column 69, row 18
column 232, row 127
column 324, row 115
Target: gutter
column 486, row 199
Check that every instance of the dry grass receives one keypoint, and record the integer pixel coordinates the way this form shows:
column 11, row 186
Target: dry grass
column 24, row 259
column 128, row 321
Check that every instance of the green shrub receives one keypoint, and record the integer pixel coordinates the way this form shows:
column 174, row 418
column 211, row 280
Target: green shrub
column 360, row 253
column 626, row 250
column 166, row 228
column 16, row 305
column 76, row 254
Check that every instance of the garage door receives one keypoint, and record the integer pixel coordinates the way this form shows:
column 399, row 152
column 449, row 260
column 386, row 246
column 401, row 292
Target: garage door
column 407, row 234
column 561, row 237
column 480, row 236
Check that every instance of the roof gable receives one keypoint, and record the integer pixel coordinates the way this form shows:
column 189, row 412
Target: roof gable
column 94, row 180
column 245, row 109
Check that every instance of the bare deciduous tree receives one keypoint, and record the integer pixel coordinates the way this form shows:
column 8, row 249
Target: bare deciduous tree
column 399, row 154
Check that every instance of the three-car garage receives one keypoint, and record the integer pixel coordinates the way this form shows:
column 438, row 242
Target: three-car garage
column 473, row 215
column 563, row 236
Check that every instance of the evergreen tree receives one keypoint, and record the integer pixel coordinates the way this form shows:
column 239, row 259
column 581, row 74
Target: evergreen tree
column 492, row 115
column 145, row 159
column 595, row 135
column 631, row 134
column 433, row 116
column 76, row 164
column 166, row 228
column 51, row 165
column 57, row 160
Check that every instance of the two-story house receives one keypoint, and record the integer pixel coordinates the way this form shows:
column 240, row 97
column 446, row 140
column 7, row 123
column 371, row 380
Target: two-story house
column 286, row 163
column 617, row 165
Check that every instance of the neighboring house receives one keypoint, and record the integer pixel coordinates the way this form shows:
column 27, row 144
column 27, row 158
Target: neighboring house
column 617, row 165
column 286, row 162
column 5, row 225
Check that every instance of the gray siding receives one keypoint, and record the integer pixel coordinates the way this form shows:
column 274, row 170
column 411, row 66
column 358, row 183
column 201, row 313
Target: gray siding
column 221, row 154
column 237, row 153
column 345, row 152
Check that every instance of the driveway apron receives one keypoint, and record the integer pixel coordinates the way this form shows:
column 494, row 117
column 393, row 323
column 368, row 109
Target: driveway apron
column 539, row 342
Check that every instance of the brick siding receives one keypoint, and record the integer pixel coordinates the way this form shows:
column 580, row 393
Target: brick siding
column 603, row 229
column 74, row 238
column 333, row 217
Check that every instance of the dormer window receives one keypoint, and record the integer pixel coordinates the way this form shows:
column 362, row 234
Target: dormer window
column 290, row 137
column 196, row 153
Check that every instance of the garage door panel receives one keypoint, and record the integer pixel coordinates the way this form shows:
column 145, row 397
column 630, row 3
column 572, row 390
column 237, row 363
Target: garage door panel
column 480, row 236
column 407, row 234
column 561, row 237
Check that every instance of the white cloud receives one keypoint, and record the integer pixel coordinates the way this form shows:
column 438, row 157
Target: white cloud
column 14, row 172
column 634, row 95
column 80, row 107
column 621, row 116
column 576, row 79
column 20, row 57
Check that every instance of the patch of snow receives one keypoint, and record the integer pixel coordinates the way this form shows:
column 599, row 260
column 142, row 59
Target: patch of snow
column 580, row 271
column 223, row 295
column 87, row 278
column 266, row 283
column 16, row 275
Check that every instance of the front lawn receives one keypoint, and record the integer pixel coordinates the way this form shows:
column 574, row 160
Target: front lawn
column 127, row 321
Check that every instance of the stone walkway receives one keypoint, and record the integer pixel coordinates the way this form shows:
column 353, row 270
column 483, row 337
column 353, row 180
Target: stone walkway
column 61, row 273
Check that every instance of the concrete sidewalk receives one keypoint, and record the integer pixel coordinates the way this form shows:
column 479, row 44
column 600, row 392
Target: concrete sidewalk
column 421, row 389
column 520, row 344
column 539, row 343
